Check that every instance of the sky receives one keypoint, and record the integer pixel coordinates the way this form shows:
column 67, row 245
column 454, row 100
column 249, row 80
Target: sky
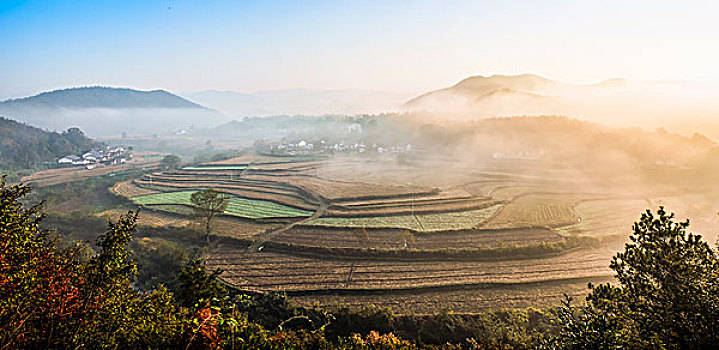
column 400, row 46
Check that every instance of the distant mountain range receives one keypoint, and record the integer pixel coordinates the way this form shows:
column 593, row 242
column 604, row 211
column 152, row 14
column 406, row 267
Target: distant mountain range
column 299, row 102
column 107, row 111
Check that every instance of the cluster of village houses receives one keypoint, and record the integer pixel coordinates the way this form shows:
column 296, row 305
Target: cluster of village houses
column 93, row 158
column 303, row 148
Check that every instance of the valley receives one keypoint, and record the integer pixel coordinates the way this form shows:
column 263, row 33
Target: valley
column 340, row 234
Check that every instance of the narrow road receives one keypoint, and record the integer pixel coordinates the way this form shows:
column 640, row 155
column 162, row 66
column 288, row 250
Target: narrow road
column 266, row 236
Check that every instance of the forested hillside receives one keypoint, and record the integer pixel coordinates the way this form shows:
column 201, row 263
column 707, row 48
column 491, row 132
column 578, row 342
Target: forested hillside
column 102, row 97
column 25, row 146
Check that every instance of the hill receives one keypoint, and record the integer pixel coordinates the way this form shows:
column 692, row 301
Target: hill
column 25, row 146
column 106, row 111
column 103, row 97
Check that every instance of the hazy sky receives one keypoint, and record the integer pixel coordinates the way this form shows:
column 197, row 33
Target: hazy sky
column 406, row 46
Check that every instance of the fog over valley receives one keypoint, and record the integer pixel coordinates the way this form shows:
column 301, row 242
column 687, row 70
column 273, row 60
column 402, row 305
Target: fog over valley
column 374, row 175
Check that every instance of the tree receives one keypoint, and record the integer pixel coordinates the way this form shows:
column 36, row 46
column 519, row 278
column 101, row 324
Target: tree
column 666, row 296
column 208, row 204
column 170, row 161
column 195, row 283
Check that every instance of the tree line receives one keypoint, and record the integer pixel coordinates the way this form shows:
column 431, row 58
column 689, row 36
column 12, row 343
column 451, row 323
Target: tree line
column 23, row 146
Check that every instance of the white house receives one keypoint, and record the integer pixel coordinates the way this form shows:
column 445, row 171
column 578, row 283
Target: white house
column 69, row 159
column 355, row 128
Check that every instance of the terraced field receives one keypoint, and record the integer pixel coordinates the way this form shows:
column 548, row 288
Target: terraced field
column 396, row 233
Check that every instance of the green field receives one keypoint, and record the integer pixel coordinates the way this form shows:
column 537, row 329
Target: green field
column 420, row 223
column 216, row 167
column 240, row 207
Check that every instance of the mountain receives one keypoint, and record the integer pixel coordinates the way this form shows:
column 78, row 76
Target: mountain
column 299, row 102
column 490, row 95
column 103, row 97
column 107, row 111
column 681, row 106
column 25, row 146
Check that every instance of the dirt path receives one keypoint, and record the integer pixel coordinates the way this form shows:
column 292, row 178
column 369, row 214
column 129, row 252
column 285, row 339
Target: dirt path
column 261, row 239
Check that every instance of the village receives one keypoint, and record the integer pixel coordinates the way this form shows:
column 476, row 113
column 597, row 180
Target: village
column 321, row 147
column 93, row 158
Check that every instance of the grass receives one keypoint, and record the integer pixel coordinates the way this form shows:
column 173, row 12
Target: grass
column 420, row 223
column 240, row 207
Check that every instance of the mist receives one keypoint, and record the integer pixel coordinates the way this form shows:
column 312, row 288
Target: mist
column 678, row 106
column 107, row 122
column 300, row 102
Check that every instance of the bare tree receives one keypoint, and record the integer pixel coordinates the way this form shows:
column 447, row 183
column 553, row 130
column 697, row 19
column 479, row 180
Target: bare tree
column 208, row 204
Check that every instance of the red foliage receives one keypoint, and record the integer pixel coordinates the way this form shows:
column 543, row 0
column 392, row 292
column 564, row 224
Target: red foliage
column 201, row 332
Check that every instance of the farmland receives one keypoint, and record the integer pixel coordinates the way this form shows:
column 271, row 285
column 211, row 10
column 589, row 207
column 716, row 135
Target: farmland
column 52, row 177
column 482, row 236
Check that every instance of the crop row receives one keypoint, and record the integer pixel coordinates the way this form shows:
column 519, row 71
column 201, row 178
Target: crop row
column 266, row 271
column 280, row 195
column 463, row 299
column 421, row 222
column 129, row 190
column 339, row 191
column 281, row 199
column 215, row 167
column 546, row 210
column 241, row 207
column 426, row 207
column 400, row 239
